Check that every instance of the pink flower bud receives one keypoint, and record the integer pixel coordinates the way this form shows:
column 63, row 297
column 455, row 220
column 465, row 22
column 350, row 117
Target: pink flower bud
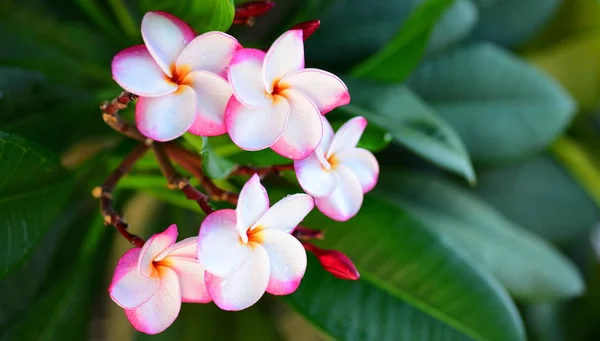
column 307, row 27
column 245, row 13
column 335, row 262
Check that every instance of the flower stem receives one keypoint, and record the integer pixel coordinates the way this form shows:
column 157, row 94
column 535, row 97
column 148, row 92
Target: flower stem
column 110, row 115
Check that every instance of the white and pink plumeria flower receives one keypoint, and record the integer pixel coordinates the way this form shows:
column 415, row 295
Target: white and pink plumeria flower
column 278, row 103
column 179, row 79
column 338, row 174
column 151, row 282
column 250, row 250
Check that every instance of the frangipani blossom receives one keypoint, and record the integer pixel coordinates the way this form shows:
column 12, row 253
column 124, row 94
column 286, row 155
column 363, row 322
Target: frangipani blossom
column 151, row 282
column 337, row 174
column 278, row 103
column 249, row 250
column 178, row 78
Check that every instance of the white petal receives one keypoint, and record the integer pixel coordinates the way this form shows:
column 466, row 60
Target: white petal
column 303, row 130
column 327, row 136
column 287, row 213
column 245, row 287
column 213, row 93
column 165, row 36
column 211, row 51
column 323, row 88
column 256, row 128
column 347, row 136
column 285, row 56
column 191, row 278
column 253, row 202
column 153, row 247
column 166, row 117
column 184, row 248
column 128, row 288
column 287, row 258
column 314, row 178
column 363, row 164
column 219, row 245
column 346, row 199
column 245, row 75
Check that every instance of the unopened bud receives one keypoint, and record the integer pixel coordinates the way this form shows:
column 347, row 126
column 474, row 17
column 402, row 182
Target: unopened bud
column 334, row 262
column 245, row 13
column 307, row 27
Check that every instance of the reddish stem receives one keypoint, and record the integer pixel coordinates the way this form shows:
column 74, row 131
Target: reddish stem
column 262, row 171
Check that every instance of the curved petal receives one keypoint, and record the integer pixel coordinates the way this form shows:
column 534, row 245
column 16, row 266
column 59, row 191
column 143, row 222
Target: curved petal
column 213, row 93
column 166, row 117
column 363, row 164
column 256, row 128
column 165, row 37
column 153, row 247
column 129, row 289
column 191, row 278
column 287, row 259
column 245, row 287
column 211, row 51
column 326, row 90
column 327, row 136
column 303, row 130
column 253, row 202
column 285, row 56
column 246, row 79
column 287, row 213
column 315, row 179
column 347, row 136
column 347, row 198
column 159, row 312
column 219, row 245
column 135, row 70
column 184, row 248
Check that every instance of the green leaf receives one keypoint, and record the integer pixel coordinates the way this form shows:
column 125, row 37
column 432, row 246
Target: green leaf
column 402, row 54
column 362, row 311
column 411, row 122
column 455, row 24
column 489, row 238
column 214, row 165
column 202, row 16
column 501, row 107
column 546, row 321
column 540, row 195
column 407, row 262
column 510, row 22
column 33, row 189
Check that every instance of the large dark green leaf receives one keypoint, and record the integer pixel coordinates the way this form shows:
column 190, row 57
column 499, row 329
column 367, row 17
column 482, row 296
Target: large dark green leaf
column 409, row 263
column 501, row 107
column 214, row 165
column 411, row 122
column 401, row 55
column 33, row 189
column 202, row 16
column 489, row 238
column 454, row 25
column 540, row 195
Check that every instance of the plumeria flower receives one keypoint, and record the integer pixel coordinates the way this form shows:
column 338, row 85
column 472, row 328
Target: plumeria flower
column 151, row 282
column 249, row 250
column 278, row 103
column 178, row 78
column 337, row 174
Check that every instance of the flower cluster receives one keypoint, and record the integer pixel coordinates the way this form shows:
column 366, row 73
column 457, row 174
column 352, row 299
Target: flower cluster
column 210, row 85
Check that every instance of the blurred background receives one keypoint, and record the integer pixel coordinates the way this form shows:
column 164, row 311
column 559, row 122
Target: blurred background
column 484, row 116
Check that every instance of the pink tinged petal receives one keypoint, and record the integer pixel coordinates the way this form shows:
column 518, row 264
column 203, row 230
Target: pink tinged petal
column 153, row 247
column 135, row 71
column 165, row 37
column 347, row 198
column 191, row 278
column 256, row 128
column 287, row 213
column 313, row 177
column 285, row 56
column 323, row 88
column 287, row 259
column 246, row 78
column 303, row 130
column 245, row 287
column 167, row 117
column 219, row 244
column 253, row 202
column 363, row 164
column 325, row 140
column 347, row 136
column 211, row 51
column 161, row 310
column 184, row 248
column 213, row 93
column 129, row 289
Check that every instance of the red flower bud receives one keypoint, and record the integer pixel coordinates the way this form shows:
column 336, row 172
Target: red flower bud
column 301, row 232
column 334, row 262
column 307, row 27
column 245, row 13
